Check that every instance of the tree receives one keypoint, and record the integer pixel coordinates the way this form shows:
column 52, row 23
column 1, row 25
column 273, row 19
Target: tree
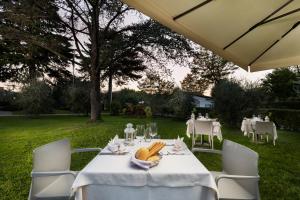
column 28, row 30
column 78, row 97
column 146, row 42
column 155, row 83
column 100, row 22
column 123, row 64
column 279, row 83
column 35, row 98
column 181, row 103
column 129, row 52
column 211, row 67
column 192, row 83
column 228, row 96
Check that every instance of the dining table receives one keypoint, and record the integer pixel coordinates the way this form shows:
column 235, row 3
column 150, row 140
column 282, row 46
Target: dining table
column 178, row 175
column 252, row 122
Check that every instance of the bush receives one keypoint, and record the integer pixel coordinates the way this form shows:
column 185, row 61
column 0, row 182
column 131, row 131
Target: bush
column 115, row 108
column 127, row 96
column 7, row 100
column 228, row 96
column 148, row 111
column 181, row 103
column 284, row 118
column 36, row 98
column 78, row 98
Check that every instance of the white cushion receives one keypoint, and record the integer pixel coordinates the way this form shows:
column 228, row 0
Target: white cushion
column 230, row 189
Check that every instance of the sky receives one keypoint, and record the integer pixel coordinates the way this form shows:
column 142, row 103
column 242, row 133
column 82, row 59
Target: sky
column 179, row 72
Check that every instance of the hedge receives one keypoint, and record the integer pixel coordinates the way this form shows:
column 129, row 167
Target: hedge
column 288, row 119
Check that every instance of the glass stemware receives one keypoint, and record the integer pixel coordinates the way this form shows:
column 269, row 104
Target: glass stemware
column 153, row 130
column 140, row 129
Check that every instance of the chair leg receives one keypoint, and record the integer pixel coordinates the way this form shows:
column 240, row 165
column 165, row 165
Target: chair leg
column 212, row 142
column 267, row 139
column 273, row 142
column 193, row 141
column 201, row 139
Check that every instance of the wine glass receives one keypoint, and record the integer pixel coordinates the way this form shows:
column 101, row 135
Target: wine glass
column 140, row 129
column 147, row 131
column 153, row 130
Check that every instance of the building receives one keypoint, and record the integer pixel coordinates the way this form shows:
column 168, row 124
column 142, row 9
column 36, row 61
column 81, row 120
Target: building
column 203, row 101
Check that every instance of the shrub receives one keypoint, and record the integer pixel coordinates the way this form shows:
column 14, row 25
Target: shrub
column 7, row 100
column 127, row 96
column 148, row 111
column 115, row 108
column 228, row 96
column 284, row 118
column 181, row 103
column 139, row 110
column 35, row 98
column 78, row 98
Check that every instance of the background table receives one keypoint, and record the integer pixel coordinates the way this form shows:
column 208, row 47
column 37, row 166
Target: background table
column 252, row 122
column 114, row 177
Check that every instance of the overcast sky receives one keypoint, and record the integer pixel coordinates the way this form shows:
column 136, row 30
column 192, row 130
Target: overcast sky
column 179, row 72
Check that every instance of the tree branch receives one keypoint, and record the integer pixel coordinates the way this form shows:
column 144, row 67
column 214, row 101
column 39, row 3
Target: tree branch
column 76, row 39
column 114, row 17
column 78, row 14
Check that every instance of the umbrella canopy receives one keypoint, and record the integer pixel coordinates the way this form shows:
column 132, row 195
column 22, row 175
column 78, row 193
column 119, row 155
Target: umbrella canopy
column 262, row 34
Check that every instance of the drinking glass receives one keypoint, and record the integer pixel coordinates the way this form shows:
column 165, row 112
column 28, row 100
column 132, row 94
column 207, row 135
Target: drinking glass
column 147, row 131
column 140, row 129
column 206, row 115
column 153, row 130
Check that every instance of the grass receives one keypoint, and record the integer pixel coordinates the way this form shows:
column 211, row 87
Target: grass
column 279, row 166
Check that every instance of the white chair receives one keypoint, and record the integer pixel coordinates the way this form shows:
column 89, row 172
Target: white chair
column 202, row 128
column 51, row 174
column 248, row 127
column 239, row 178
column 265, row 129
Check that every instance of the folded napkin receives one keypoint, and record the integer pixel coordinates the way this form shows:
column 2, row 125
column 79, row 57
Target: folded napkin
column 179, row 147
column 179, row 144
column 142, row 163
column 116, row 146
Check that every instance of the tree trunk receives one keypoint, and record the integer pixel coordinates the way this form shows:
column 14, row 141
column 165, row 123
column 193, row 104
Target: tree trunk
column 32, row 72
column 95, row 68
column 95, row 98
column 109, row 91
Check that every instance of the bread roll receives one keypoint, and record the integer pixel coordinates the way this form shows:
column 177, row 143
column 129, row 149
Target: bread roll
column 142, row 153
column 153, row 158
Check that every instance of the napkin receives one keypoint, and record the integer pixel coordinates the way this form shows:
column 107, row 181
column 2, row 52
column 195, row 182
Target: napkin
column 116, row 146
column 179, row 146
column 140, row 163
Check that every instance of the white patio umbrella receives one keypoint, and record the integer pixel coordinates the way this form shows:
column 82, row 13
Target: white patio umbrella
column 260, row 34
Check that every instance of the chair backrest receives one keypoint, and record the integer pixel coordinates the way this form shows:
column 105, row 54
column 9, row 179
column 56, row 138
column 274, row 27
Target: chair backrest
column 55, row 156
column 203, row 127
column 264, row 127
column 248, row 127
column 240, row 160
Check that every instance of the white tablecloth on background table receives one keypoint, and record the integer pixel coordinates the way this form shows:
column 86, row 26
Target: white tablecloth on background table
column 216, row 128
column 114, row 176
column 253, row 123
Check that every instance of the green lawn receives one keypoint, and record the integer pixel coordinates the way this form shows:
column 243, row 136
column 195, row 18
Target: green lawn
column 279, row 166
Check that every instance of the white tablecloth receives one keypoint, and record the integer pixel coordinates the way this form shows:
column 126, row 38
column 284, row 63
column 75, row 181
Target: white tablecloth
column 111, row 176
column 253, row 123
column 216, row 129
